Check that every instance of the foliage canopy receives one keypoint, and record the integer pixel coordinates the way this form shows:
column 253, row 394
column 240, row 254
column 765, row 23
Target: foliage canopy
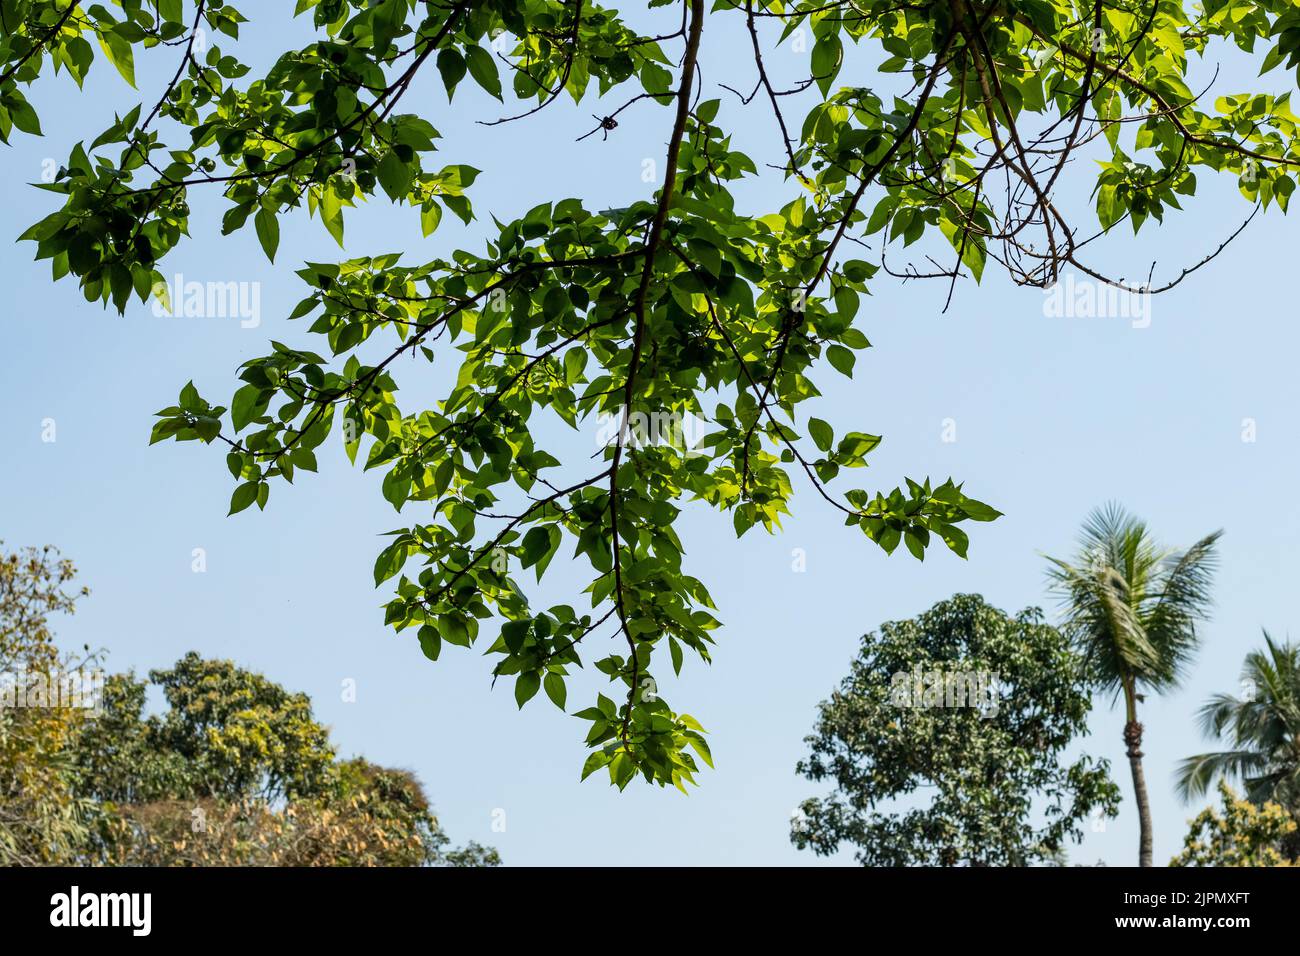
column 236, row 771
column 1132, row 608
column 43, row 819
column 1261, row 728
column 926, row 775
column 954, row 120
column 1244, row 834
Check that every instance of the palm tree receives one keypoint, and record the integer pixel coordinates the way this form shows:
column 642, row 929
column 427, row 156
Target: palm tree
column 1263, row 728
column 1131, row 608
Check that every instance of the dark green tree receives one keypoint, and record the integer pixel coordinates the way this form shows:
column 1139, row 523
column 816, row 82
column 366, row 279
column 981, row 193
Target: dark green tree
column 1131, row 608
column 955, row 124
column 945, row 745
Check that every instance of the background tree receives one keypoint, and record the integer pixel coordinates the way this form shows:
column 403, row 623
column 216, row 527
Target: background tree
column 1262, row 728
column 991, row 785
column 237, row 772
column 42, row 819
column 226, row 733
column 1246, row 834
column 371, row 816
column 1131, row 607
column 946, row 123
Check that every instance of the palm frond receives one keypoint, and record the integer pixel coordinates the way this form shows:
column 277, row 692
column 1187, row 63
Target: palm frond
column 1218, row 713
column 1182, row 601
column 1100, row 621
column 1263, row 727
column 1110, row 589
column 1195, row 774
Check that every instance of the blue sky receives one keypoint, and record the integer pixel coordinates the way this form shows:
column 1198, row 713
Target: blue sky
column 1053, row 416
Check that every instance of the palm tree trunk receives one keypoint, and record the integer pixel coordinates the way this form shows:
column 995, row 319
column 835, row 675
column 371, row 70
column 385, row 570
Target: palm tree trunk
column 1133, row 743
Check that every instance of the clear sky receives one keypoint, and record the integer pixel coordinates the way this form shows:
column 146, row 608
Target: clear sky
column 1053, row 416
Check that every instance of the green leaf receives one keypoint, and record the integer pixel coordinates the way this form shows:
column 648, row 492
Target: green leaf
column 575, row 360
column 395, row 176
column 915, row 543
column 119, row 53
column 854, row 447
column 828, row 54
column 268, row 232
column 331, row 209
column 675, row 651
column 452, row 67
column 978, row 510
column 595, row 760
column 246, row 406
column 822, row 434
column 22, row 114
column 430, row 216
column 430, row 641
column 244, row 496
column 841, row 359
column 701, row 748
column 484, row 70
column 526, row 687
column 454, row 631
column 554, row 684
column 954, row 538
column 397, row 486
column 390, row 561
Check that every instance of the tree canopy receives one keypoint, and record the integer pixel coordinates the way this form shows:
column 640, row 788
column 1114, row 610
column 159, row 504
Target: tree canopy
column 954, row 121
column 1133, row 608
column 42, row 818
column 1261, row 727
column 930, row 770
column 1246, row 833
column 236, row 771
